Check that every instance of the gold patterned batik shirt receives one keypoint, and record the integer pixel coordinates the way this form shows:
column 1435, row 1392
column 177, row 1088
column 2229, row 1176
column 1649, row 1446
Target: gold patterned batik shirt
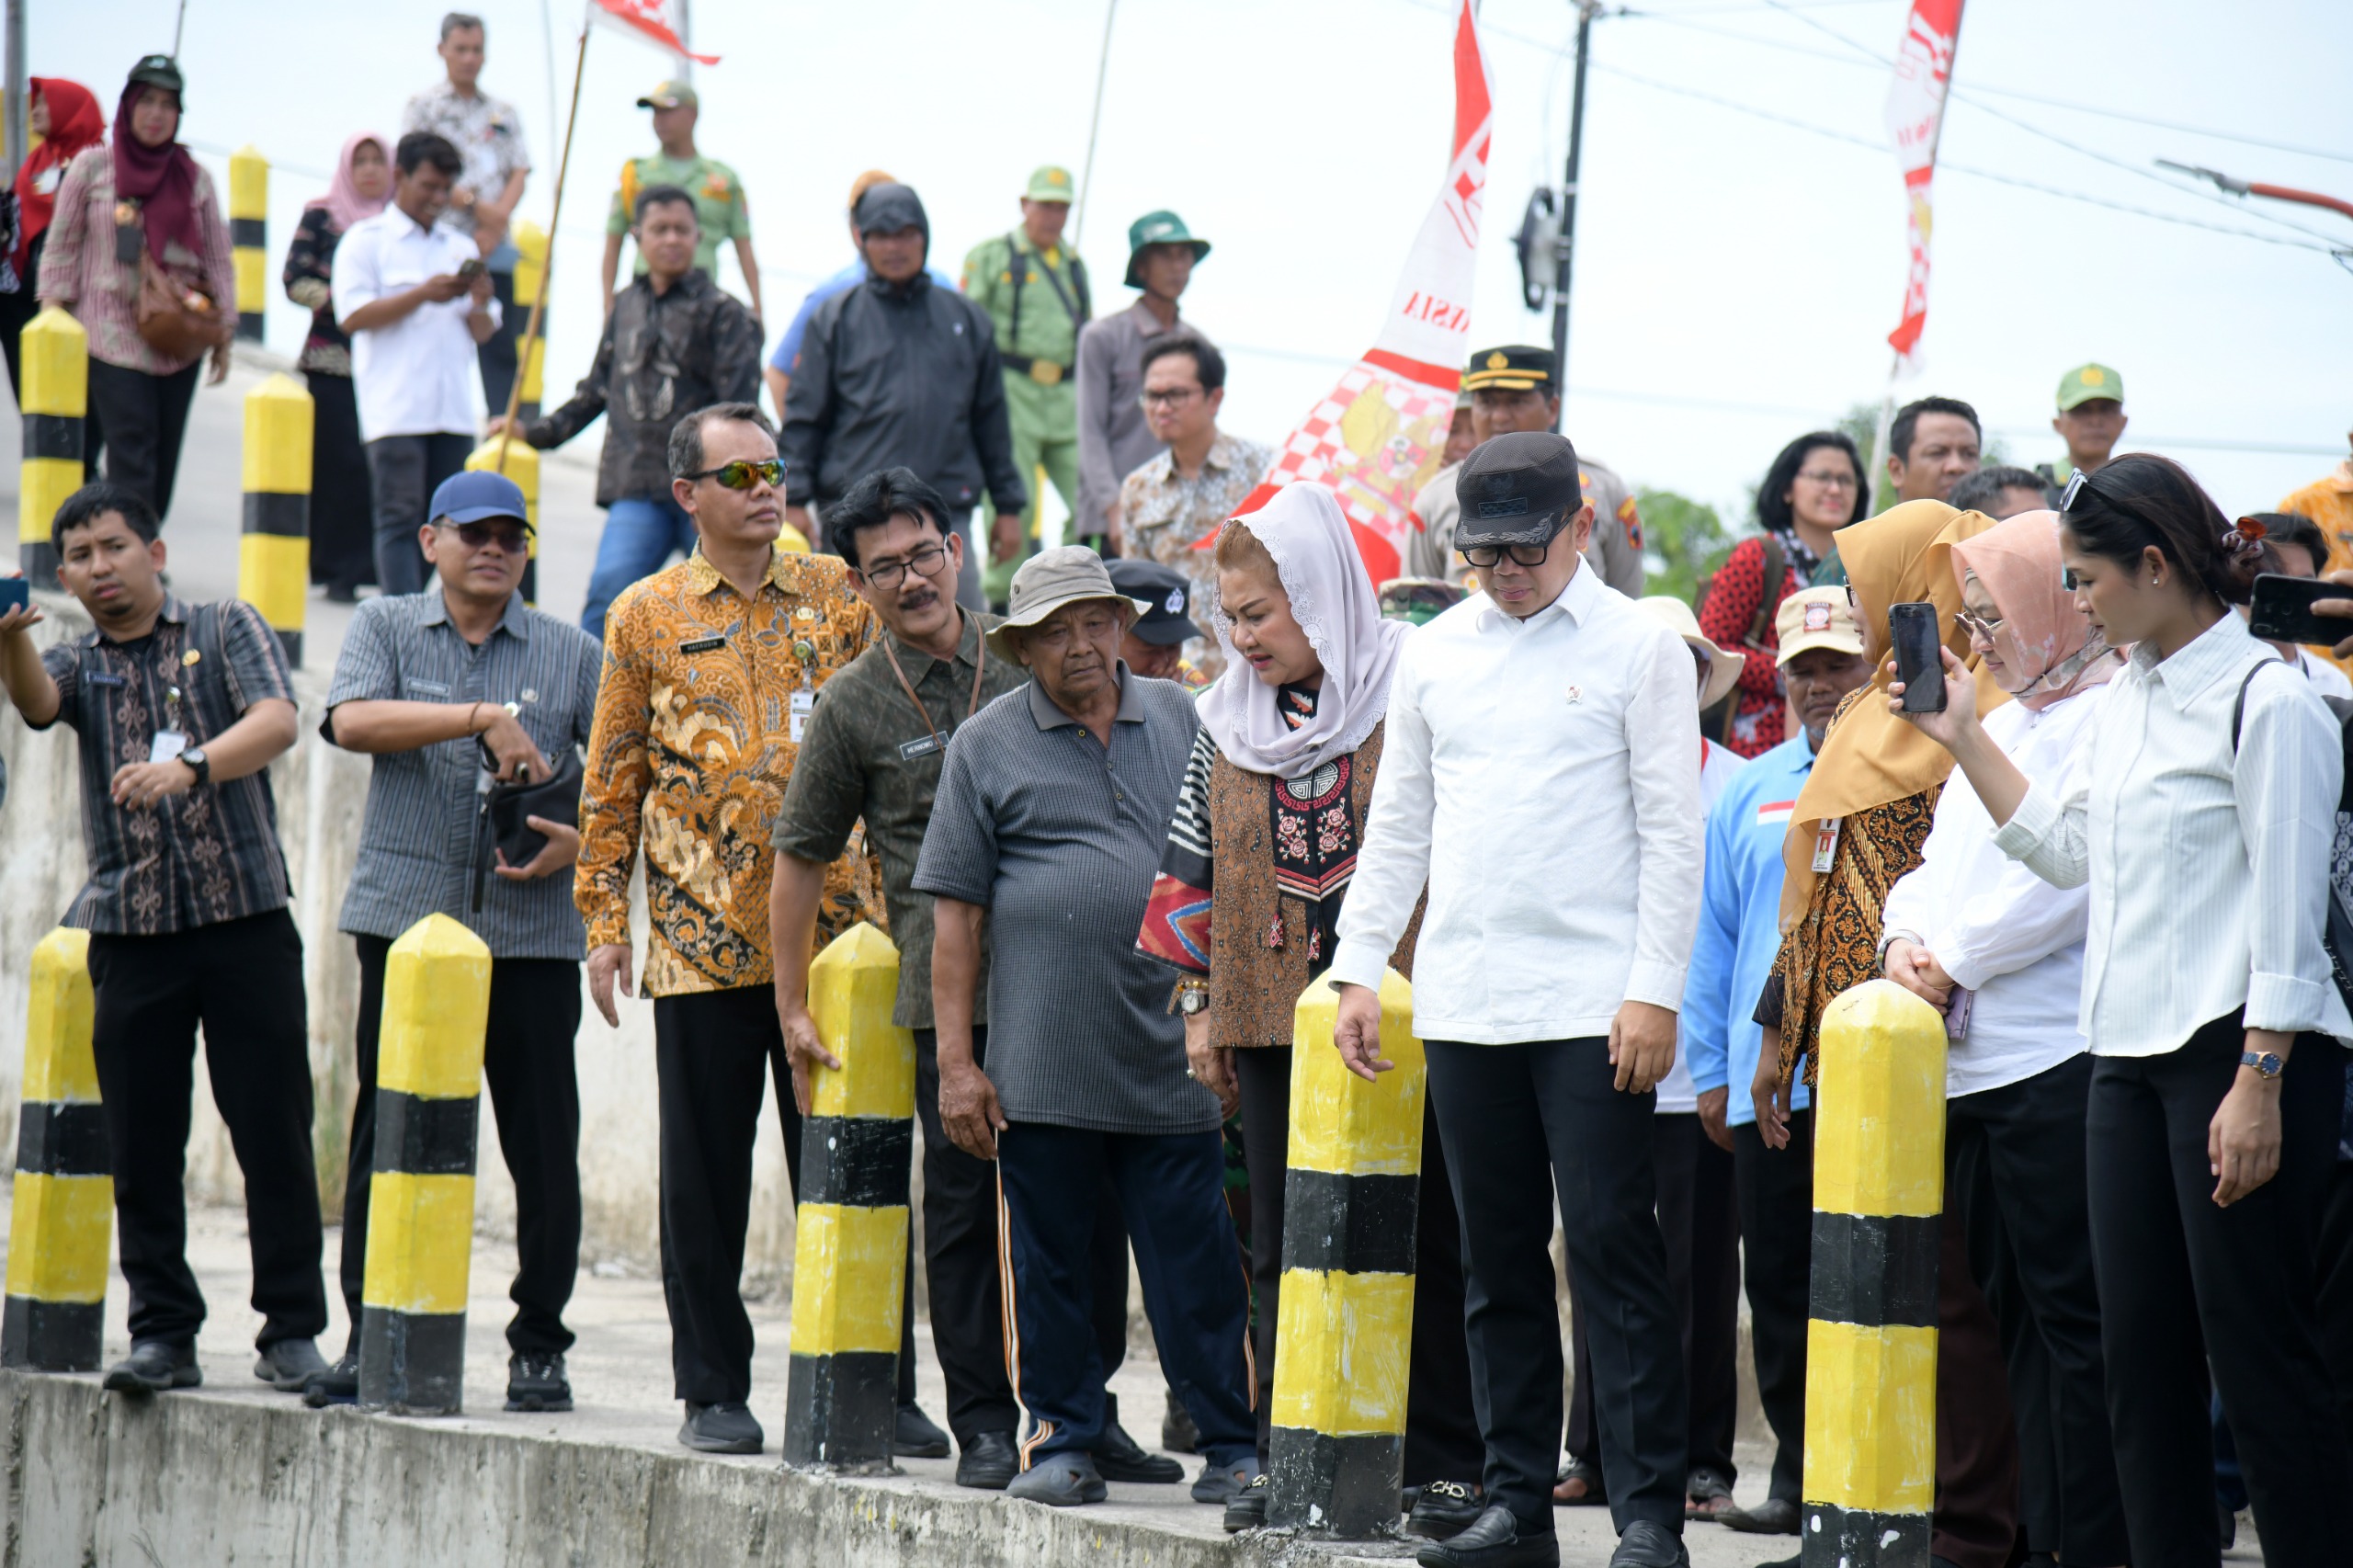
column 698, row 719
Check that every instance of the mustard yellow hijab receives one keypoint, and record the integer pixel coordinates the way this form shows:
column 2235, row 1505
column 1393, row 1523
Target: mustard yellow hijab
column 1871, row 757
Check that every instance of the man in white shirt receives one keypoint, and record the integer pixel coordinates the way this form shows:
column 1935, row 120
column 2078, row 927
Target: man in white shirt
column 1538, row 775
column 416, row 300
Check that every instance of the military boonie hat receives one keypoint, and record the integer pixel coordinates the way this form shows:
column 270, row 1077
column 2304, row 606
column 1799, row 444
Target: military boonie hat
column 1161, row 228
column 2085, row 383
column 1051, row 182
column 1516, row 367
column 1167, row 592
column 1518, row 489
column 1817, row 617
column 670, row 95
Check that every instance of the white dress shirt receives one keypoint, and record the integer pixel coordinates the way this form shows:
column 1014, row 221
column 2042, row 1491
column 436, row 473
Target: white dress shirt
column 418, row 376
column 2208, row 870
column 2326, row 678
column 1678, row 1095
column 1998, row 929
column 1539, row 775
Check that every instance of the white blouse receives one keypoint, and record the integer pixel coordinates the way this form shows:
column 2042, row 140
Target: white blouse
column 2208, row 869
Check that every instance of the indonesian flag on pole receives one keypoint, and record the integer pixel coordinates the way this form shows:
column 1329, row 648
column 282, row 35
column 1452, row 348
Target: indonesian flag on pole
column 1376, row 438
column 648, row 21
column 1916, row 117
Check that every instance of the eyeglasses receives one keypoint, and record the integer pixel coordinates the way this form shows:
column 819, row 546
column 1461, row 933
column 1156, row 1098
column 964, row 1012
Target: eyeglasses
column 1170, row 397
column 1486, row 555
column 478, row 536
column 891, row 573
column 1829, row 479
column 1978, row 625
column 743, row 474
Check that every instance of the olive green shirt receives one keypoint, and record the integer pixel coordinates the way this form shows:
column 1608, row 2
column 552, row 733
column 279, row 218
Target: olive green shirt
column 1050, row 321
column 866, row 754
column 719, row 201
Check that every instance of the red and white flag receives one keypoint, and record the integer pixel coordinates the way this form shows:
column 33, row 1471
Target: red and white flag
column 648, row 21
column 1377, row 437
column 1916, row 117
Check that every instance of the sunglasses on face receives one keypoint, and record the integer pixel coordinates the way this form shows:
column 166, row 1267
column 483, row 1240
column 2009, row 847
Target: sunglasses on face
column 514, row 541
column 1485, row 555
column 743, row 474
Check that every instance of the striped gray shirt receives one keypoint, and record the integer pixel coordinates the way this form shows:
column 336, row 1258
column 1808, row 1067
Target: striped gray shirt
column 416, row 841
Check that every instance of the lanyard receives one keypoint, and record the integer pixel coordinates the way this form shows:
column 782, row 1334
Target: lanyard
column 980, row 661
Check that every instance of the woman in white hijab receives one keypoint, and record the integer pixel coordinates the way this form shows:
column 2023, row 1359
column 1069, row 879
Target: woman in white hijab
column 1266, row 834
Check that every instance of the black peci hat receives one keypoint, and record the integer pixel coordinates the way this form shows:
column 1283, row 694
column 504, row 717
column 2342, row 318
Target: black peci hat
column 1517, row 489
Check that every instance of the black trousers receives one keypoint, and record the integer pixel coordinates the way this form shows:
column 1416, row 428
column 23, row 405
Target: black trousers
column 499, row 355
column 534, row 1093
column 1516, row 1120
column 1442, row 1440
column 403, row 471
column 343, row 508
column 2335, row 1289
column 144, row 418
column 241, row 980
column 1697, row 1218
column 2185, row 1285
column 2034, row 1262
column 1775, row 1190
column 713, row 1054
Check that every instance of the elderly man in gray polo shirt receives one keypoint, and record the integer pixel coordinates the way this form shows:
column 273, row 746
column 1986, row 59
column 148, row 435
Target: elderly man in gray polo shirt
column 450, row 689
column 1049, row 821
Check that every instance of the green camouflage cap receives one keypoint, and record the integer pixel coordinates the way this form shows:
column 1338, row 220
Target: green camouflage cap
column 2085, row 383
column 670, row 95
column 1050, row 182
column 1161, row 228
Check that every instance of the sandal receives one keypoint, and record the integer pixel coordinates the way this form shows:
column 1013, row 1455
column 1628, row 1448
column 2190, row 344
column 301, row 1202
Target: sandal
column 1586, row 1479
column 1707, row 1496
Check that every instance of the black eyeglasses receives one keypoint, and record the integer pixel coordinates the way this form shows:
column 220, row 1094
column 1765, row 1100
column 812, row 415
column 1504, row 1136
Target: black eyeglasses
column 515, row 540
column 743, row 474
column 1485, row 555
column 891, row 573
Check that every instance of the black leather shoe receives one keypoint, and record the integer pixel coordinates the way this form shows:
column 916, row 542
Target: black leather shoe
column 338, row 1384
column 1444, row 1509
column 1118, row 1456
column 152, row 1366
column 728, row 1428
column 1494, row 1541
column 1646, row 1543
column 289, row 1364
column 1177, row 1433
column 1246, row 1509
column 535, row 1381
column 915, row 1436
column 989, row 1462
column 1775, row 1516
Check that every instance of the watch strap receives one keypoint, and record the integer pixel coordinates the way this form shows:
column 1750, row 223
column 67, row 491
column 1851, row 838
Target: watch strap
column 2256, row 1059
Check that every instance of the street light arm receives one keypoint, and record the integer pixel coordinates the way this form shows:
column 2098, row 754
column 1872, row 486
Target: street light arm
column 2255, row 188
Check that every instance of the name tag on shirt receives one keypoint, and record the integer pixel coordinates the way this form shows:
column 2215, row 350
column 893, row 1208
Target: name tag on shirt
column 1825, row 844
column 922, row 746
column 167, row 744
column 705, row 645
column 805, row 701
column 100, row 678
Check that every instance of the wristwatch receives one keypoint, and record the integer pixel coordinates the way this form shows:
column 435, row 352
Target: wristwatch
column 2268, row 1063
column 1192, row 997
column 198, row 763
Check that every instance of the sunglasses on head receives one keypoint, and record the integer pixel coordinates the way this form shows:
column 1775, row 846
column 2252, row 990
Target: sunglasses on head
column 744, row 473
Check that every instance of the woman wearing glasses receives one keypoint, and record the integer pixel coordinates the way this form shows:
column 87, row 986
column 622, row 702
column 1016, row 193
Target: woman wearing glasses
column 2202, row 830
column 1814, row 489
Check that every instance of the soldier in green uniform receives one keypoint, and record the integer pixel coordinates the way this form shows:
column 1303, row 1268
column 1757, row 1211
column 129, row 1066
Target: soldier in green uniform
column 717, row 193
column 1034, row 289
column 2090, row 420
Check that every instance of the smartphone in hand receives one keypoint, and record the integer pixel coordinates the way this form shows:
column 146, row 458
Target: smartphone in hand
column 1919, row 662
column 2283, row 610
column 15, row 592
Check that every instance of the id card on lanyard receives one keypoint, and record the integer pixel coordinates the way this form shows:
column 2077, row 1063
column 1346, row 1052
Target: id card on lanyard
column 1825, row 844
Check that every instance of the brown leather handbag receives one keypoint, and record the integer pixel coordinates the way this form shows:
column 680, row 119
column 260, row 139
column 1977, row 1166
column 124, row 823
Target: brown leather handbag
column 180, row 321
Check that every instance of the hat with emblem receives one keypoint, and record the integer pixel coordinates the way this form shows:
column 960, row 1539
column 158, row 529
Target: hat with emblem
column 670, row 95
column 1050, row 182
column 1517, row 489
column 1817, row 617
column 1161, row 228
column 1168, row 591
column 1516, row 367
column 2085, row 383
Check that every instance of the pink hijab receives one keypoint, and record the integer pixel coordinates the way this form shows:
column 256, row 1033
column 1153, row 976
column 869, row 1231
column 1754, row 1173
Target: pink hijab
column 345, row 205
column 1332, row 598
column 2018, row 561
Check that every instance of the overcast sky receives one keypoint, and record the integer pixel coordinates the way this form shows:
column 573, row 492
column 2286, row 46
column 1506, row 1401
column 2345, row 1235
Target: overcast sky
column 1736, row 276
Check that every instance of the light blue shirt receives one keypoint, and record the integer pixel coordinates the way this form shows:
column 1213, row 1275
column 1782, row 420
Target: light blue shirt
column 788, row 348
column 1740, row 925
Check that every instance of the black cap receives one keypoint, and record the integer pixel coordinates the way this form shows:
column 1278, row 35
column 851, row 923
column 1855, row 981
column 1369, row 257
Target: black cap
column 888, row 206
column 1517, row 489
column 159, row 71
column 1169, row 593
column 1516, row 367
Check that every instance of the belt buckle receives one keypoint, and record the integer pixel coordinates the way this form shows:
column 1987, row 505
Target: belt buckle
column 1045, row 372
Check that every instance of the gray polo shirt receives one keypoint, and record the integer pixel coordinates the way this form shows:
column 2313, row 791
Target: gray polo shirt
column 1059, row 838
column 417, row 839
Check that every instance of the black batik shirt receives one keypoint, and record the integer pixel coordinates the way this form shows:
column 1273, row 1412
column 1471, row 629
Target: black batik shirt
column 210, row 853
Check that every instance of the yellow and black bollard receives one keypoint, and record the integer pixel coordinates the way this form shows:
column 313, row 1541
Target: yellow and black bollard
column 421, row 1196
column 274, row 554
column 530, row 272
column 249, row 236
column 61, row 1214
column 56, row 393
column 1344, row 1335
column 521, row 464
column 849, row 1254
column 1870, row 1377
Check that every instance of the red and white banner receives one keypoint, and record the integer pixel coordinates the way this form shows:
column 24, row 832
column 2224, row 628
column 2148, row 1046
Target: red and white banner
column 648, row 21
column 1376, row 438
column 1916, row 117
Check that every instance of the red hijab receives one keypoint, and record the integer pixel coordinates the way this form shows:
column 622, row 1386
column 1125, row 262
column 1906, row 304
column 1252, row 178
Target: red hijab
column 162, row 179
column 73, row 123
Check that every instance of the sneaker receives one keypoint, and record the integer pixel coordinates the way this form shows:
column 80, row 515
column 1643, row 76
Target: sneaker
column 535, row 1381
column 989, row 1462
column 728, row 1429
column 1059, row 1481
column 289, row 1364
column 338, row 1384
column 1444, row 1509
column 917, row 1436
column 1220, row 1484
column 153, row 1366
column 1246, row 1509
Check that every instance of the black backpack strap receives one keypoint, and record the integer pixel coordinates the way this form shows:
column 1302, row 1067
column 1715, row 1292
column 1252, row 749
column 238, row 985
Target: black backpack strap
column 1017, row 270
column 2238, row 708
column 1768, row 594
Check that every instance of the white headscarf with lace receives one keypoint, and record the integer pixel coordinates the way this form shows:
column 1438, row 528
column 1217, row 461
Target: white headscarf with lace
column 1332, row 598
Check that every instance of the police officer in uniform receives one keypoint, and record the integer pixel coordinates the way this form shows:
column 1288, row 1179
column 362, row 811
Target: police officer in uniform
column 1034, row 288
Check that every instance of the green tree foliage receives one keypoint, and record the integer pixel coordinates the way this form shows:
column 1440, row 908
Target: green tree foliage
column 1685, row 538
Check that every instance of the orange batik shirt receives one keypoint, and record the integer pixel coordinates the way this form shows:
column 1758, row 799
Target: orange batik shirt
column 699, row 721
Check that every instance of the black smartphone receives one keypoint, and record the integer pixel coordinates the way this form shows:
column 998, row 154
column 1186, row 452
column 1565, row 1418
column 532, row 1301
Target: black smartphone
column 15, row 592
column 1919, row 663
column 471, row 269
column 2283, row 610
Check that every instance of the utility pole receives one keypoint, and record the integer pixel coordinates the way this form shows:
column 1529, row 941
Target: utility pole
column 1566, row 249
column 686, row 37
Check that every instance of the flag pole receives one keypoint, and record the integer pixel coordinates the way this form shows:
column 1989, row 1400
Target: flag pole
column 1094, row 124
column 1895, row 366
column 547, row 269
